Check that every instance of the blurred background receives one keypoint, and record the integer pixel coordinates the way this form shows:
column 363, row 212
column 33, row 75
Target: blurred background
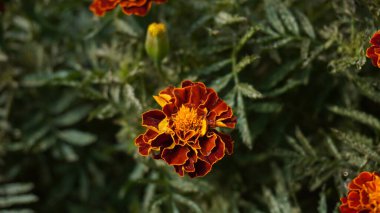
column 73, row 87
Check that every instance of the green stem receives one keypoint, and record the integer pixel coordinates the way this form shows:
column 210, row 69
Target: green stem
column 161, row 72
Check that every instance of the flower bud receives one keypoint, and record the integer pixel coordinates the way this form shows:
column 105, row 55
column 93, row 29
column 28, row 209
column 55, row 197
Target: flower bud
column 157, row 42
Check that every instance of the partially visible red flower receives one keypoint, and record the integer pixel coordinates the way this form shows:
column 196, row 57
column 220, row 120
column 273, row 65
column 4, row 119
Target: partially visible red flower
column 183, row 133
column 373, row 52
column 363, row 195
column 129, row 7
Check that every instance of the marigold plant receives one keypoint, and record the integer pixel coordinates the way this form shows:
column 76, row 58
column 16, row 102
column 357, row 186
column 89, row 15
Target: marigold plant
column 183, row 133
column 363, row 195
column 129, row 7
column 373, row 52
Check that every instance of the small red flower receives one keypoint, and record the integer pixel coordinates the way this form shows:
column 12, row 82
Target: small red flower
column 363, row 195
column 183, row 133
column 129, row 7
column 373, row 52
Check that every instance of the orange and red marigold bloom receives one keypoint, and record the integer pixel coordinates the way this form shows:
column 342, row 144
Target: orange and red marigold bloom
column 363, row 195
column 373, row 52
column 182, row 132
column 129, row 7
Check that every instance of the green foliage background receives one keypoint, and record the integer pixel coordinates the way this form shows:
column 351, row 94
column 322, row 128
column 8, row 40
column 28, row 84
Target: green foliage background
column 73, row 86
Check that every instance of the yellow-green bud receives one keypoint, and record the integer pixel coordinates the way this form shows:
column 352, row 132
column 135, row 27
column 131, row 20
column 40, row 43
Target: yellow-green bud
column 157, row 42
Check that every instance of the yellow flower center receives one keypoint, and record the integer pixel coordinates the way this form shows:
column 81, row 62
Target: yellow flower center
column 187, row 119
column 156, row 29
column 373, row 190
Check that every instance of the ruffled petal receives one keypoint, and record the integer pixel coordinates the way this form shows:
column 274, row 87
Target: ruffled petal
column 201, row 169
column 207, row 143
column 181, row 96
column 175, row 156
column 216, row 153
column 152, row 119
column 144, row 148
column 162, row 141
column 228, row 142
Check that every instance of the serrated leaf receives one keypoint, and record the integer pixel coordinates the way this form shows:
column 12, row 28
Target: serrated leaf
column 224, row 18
column 247, row 60
column 368, row 88
column 278, row 43
column 219, row 83
column 358, row 142
column 250, row 32
column 76, row 137
column 305, row 143
column 248, row 91
column 243, row 122
column 356, row 115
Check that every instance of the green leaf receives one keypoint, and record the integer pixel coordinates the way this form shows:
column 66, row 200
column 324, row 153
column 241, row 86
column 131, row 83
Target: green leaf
column 224, row 18
column 248, row 91
column 247, row 60
column 187, row 202
column 273, row 17
column 288, row 19
column 72, row 117
column 243, row 122
column 76, row 137
column 305, row 143
column 356, row 115
column 214, row 67
column 305, row 24
column 219, row 83
column 251, row 31
column 322, row 207
column 279, row 74
column 15, row 188
column 358, row 142
column 266, row 107
column 278, row 43
column 68, row 153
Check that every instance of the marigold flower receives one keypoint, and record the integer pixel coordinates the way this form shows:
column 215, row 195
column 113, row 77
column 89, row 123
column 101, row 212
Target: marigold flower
column 363, row 195
column 373, row 52
column 129, row 7
column 182, row 132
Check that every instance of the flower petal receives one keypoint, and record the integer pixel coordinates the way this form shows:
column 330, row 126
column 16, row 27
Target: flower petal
column 139, row 10
column 228, row 142
column 144, row 148
column 375, row 40
column 216, row 153
column 180, row 170
column 152, row 119
column 175, row 156
column 181, row 96
column 207, row 143
column 162, row 141
column 201, row 169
